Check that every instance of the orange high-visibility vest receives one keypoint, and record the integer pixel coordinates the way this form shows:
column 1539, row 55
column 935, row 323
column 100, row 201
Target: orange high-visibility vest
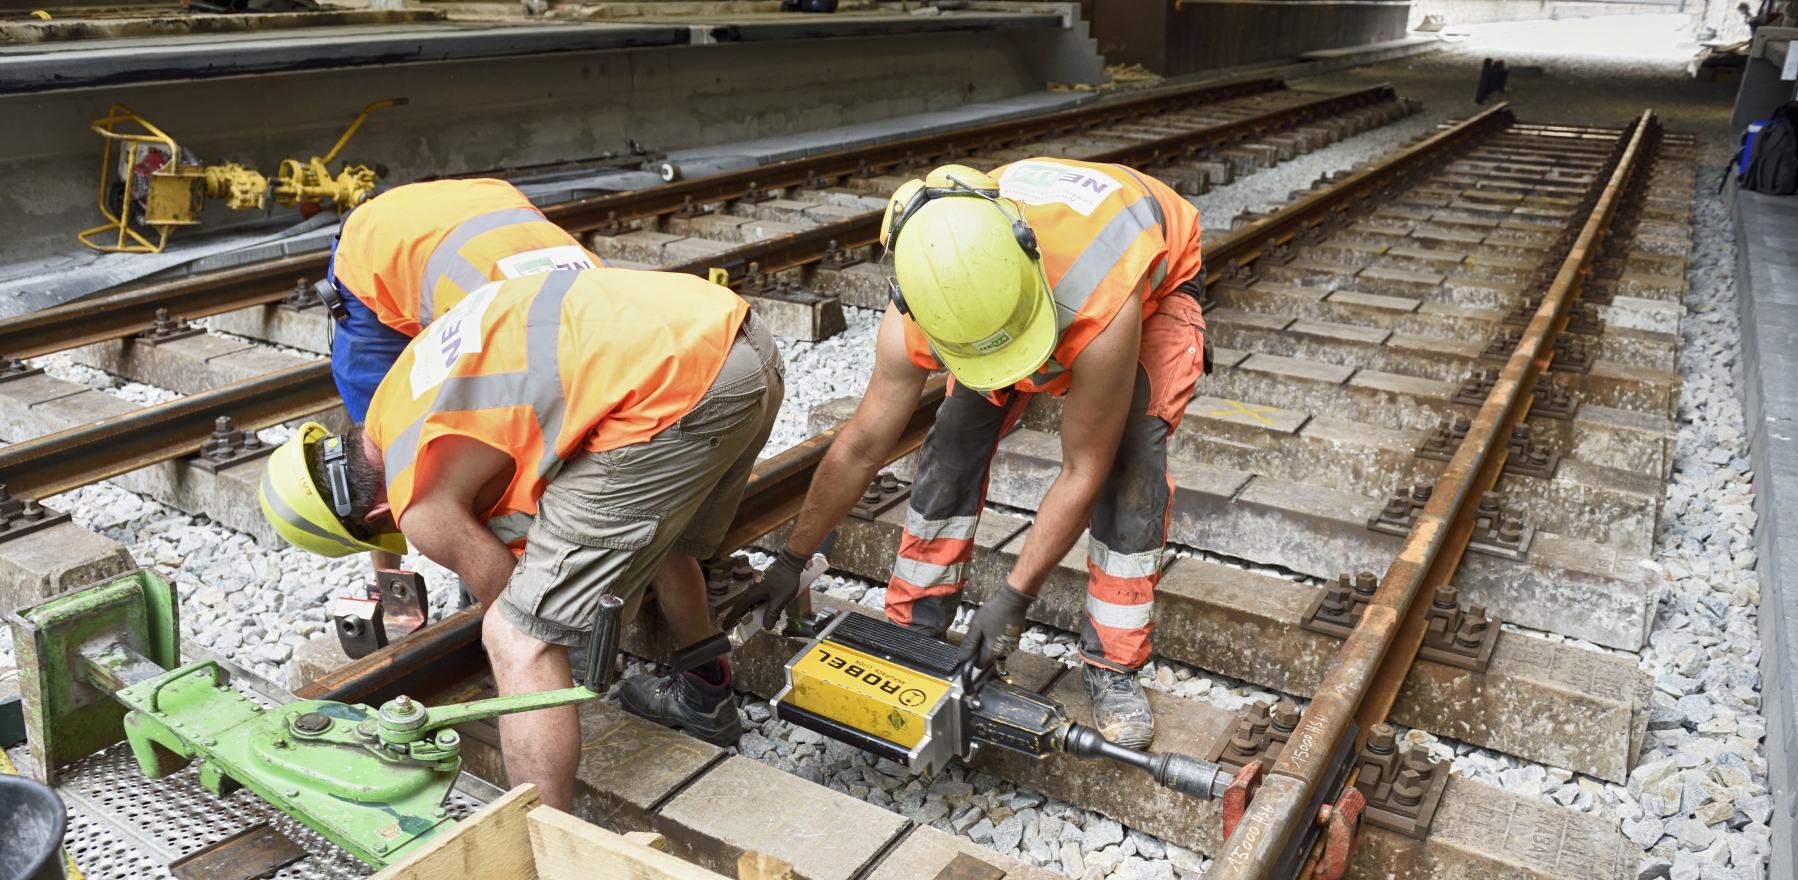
column 546, row 366
column 417, row 250
column 1104, row 232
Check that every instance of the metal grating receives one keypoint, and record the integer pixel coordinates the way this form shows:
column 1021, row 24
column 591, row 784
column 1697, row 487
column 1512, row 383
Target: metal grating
column 123, row 826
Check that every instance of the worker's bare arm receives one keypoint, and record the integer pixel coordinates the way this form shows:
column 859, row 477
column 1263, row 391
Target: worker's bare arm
column 1092, row 422
column 441, row 521
column 862, row 445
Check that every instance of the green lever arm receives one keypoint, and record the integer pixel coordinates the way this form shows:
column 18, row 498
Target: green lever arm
column 443, row 716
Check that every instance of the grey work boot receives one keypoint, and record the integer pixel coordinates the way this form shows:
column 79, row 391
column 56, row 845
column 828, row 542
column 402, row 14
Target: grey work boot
column 1120, row 708
column 685, row 701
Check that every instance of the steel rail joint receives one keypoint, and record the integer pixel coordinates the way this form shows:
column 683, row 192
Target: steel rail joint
column 1290, row 783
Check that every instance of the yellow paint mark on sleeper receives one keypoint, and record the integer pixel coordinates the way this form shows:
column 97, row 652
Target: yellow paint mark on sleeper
column 1253, row 412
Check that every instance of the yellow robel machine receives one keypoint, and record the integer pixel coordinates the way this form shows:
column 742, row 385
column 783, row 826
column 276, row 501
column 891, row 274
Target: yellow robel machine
column 902, row 695
column 149, row 180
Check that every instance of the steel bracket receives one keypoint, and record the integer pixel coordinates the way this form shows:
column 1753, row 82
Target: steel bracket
column 1499, row 533
column 884, row 493
column 1236, row 277
column 304, row 296
column 396, row 606
column 755, row 195
column 689, row 210
column 1402, row 791
column 20, row 515
column 1495, row 532
column 1477, row 388
column 1553, row 401
column 1260, row 732
column 1337, row 608
column 840, row 258
column 228, row 446
column 609, row 226
column 14, row 368
column 1526, row 458
column 167, row 329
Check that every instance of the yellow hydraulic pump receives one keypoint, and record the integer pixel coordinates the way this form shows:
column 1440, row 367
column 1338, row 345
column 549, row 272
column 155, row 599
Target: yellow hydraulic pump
column 163, row 187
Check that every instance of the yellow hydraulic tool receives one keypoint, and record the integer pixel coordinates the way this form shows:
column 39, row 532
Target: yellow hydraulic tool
column 311, row 183
column 162, row 186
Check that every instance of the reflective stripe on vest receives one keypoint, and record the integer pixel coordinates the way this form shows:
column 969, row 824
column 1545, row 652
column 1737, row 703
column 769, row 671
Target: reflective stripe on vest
column 538, row 385
column 1094, row 265
column 446, row 260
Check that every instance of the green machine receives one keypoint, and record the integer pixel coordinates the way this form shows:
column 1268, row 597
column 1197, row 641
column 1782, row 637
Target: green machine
column 102, row 664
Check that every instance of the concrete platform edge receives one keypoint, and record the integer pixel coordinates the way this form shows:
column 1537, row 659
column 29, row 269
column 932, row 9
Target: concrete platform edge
column 1766, row 232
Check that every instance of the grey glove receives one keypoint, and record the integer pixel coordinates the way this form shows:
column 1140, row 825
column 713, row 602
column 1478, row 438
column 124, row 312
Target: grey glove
column 994, row 631
column 771, row 592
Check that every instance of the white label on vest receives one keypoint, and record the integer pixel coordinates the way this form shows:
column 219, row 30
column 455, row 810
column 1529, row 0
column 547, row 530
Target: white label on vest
column 1042, row 183
column 455, row 334
column 568, row 256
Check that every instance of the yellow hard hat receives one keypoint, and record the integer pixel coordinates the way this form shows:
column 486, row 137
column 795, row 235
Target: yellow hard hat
column 969, row 273
column 300, row 513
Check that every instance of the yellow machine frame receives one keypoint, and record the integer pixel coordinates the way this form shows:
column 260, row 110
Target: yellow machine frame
column 177, row 192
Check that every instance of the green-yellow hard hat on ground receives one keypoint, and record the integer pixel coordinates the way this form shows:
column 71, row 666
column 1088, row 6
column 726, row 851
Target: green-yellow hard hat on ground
column 292, row 503
column 970, row 285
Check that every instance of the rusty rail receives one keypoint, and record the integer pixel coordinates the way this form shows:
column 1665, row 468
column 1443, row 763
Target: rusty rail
column 1366, row 672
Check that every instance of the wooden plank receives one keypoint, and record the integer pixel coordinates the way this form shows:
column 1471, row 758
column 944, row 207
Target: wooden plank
column 567, row 848
column 492, row 845
column 754, row 865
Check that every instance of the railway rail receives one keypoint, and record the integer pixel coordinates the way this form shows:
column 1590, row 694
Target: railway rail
column 130, row 312
column 82, row 455
column 1461, row 278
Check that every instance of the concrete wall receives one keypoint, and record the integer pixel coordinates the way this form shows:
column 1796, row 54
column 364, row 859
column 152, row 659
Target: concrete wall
column 480, row 113
column 1174, row 38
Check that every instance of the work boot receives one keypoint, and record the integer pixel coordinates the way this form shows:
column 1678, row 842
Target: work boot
column 687, row 701
column 1120, row 708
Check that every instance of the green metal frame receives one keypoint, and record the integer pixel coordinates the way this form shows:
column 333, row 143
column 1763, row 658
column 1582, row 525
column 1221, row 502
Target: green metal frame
column 101, row 664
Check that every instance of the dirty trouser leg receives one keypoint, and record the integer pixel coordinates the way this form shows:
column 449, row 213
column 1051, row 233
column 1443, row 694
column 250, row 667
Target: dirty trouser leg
column 945, row 506
column 1130, row 520
column 1123, row 554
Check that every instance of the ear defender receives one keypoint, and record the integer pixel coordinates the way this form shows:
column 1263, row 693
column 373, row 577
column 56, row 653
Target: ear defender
column 898, row 299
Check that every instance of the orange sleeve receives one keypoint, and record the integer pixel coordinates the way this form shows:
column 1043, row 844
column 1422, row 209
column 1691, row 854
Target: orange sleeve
column 917, row 347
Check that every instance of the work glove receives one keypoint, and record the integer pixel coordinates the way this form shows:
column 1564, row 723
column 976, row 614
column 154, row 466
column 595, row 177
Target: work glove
column 770, row 593
column 994, row 631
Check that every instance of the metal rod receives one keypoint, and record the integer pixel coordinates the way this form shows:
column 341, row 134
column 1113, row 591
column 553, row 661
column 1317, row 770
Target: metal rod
column 1431, row 550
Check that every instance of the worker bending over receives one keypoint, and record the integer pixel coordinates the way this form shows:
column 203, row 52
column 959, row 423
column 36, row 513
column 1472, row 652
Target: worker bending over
column 624, row 410
column 1052, row 276
column 402, row 260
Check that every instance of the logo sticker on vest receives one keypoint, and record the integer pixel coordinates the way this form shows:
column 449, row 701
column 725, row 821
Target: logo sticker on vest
column 568, row 256
column 455, row 334
column 1043, row 183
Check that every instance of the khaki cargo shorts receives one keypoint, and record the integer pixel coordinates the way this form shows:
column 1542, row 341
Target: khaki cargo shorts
column 606, row 521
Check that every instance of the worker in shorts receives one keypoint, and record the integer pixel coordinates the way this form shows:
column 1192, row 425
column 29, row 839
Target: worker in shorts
column 1048, row 276
column 624, row 410
column 404, row 259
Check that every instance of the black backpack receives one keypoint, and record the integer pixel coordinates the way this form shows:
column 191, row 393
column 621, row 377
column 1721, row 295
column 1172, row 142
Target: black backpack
column 1770, row 164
